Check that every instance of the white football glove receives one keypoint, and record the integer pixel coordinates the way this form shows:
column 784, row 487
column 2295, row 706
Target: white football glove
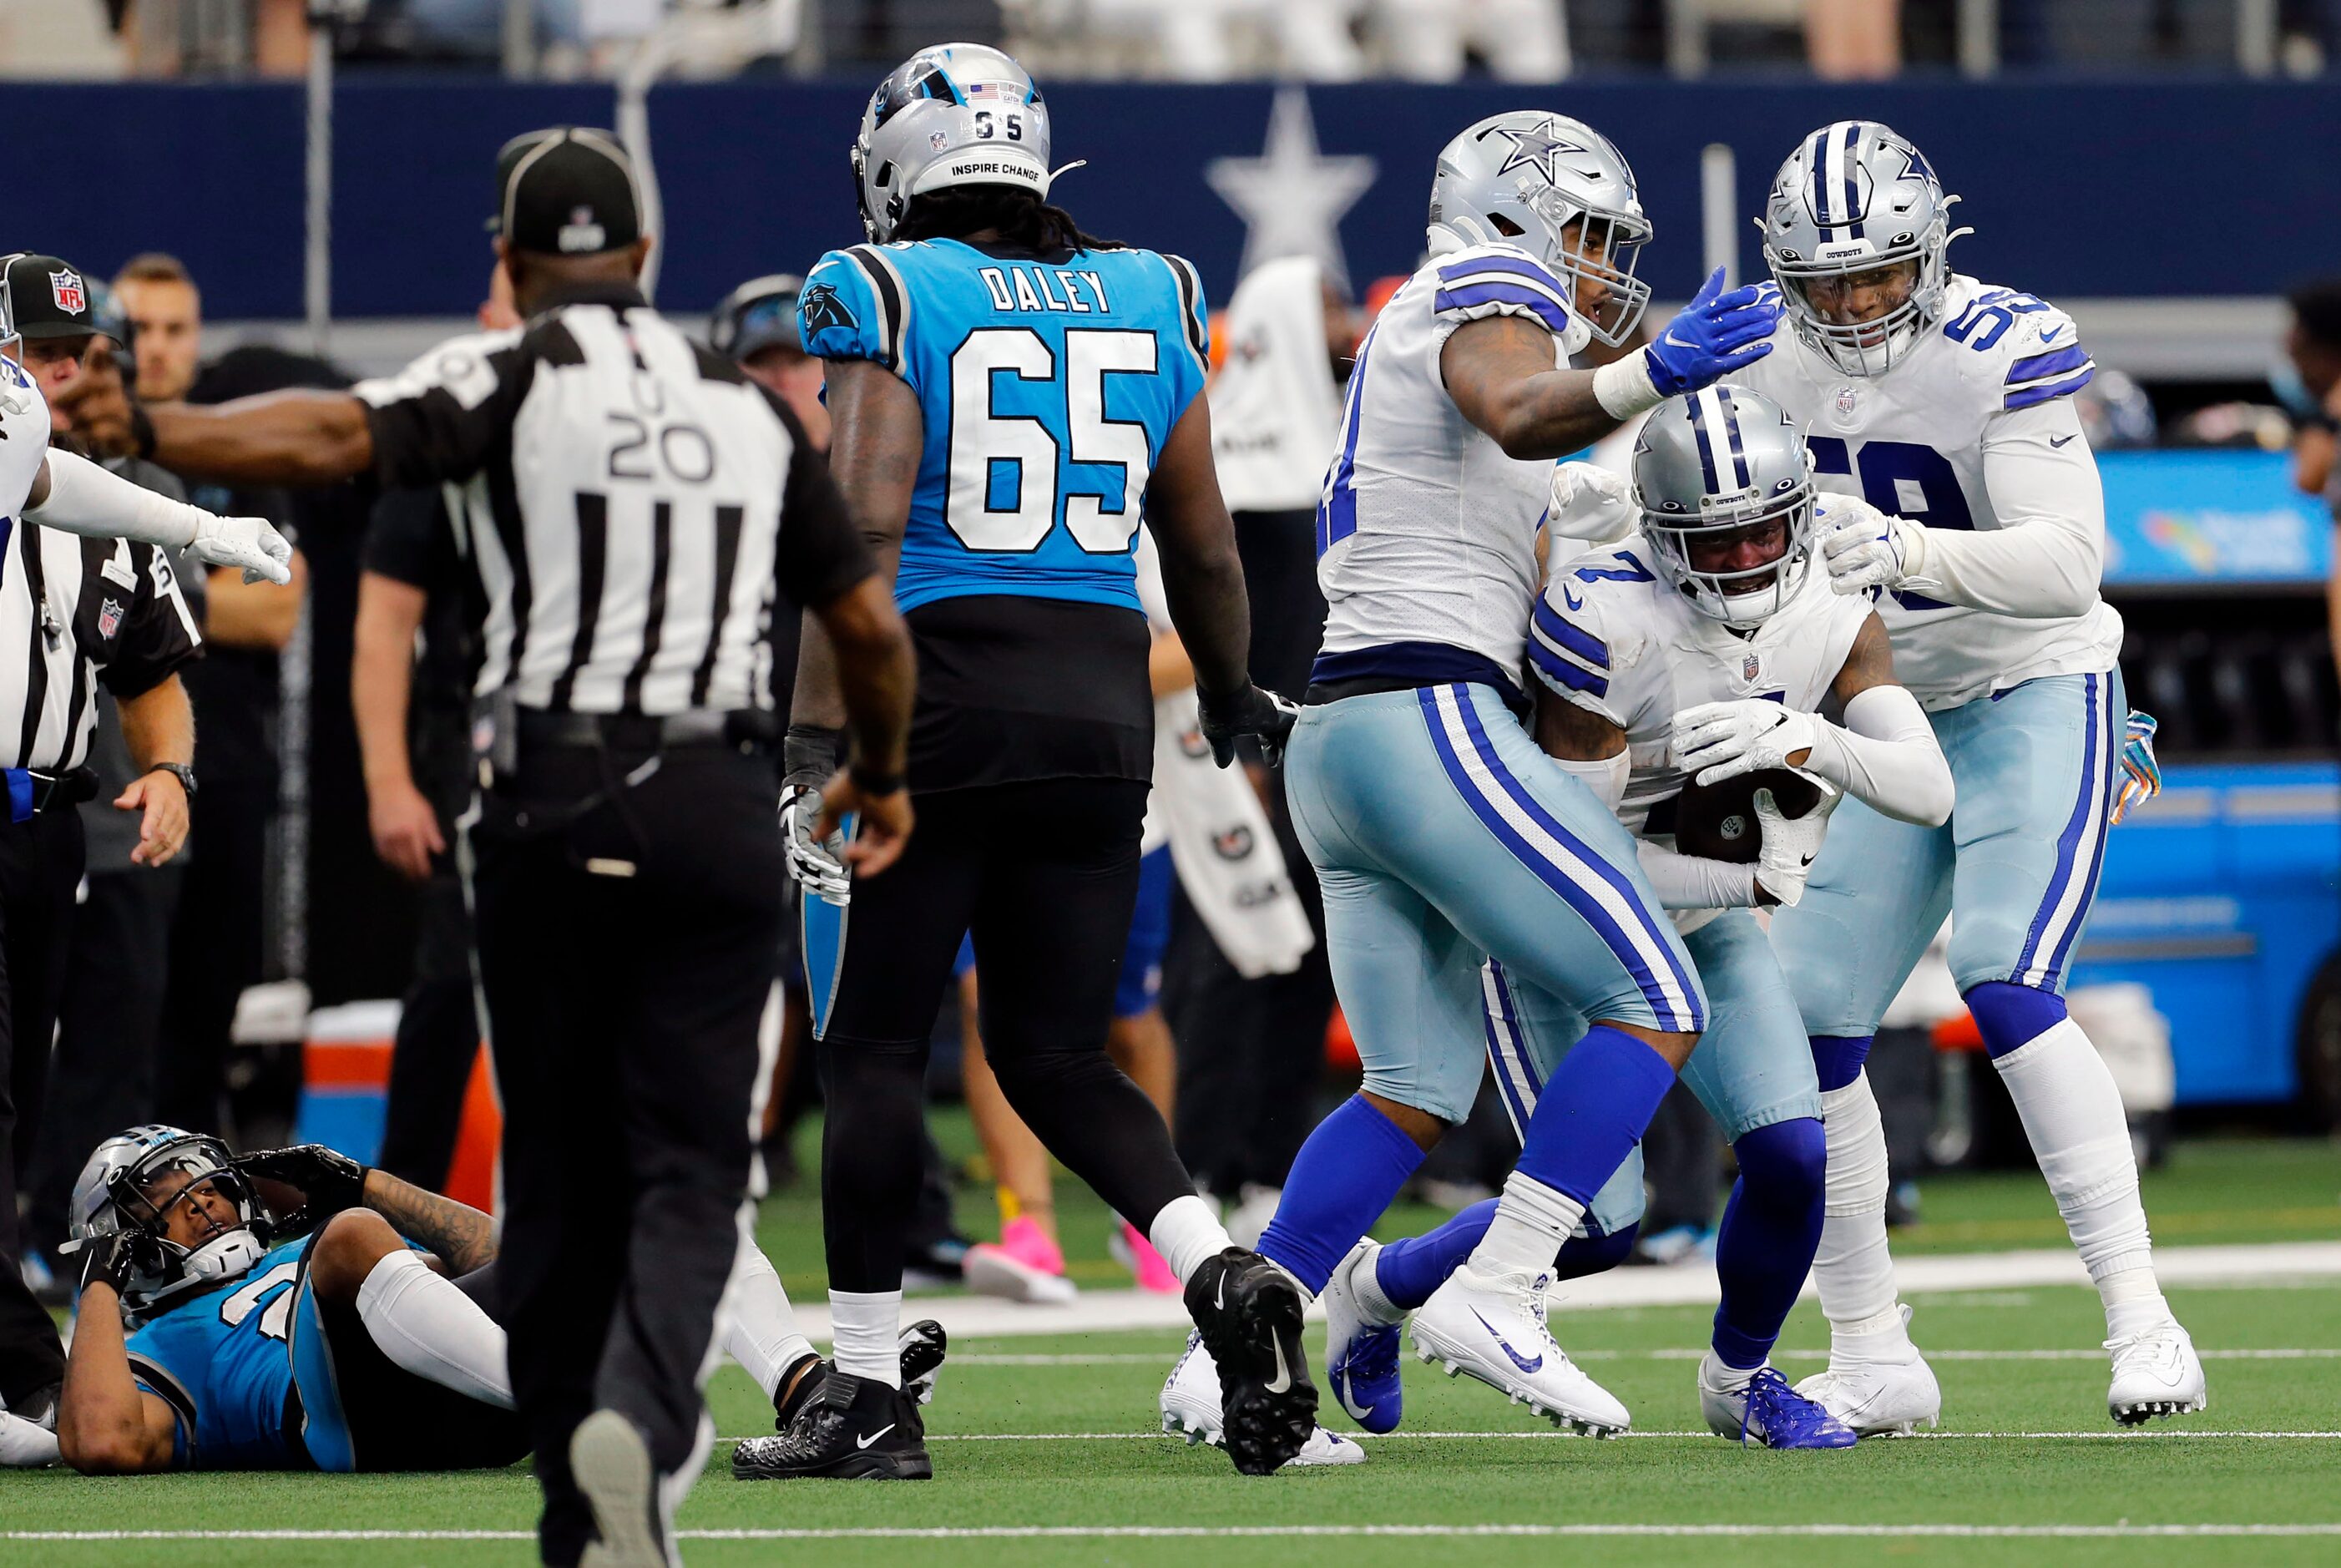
column 813, row 862
column 1591, row 502
column 1717, row 741
column 1785, row 857
column 1865, row 548
column 251, row 543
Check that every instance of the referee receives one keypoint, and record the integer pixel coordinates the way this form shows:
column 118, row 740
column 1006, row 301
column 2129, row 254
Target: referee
column 636, row 504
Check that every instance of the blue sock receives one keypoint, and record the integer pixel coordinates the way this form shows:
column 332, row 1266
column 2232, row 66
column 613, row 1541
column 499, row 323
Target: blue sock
column 1593, row 1112
column 2009, row 1016
column 1837, row 1058
column 1771, row 1228
column 1408, row 1271
column 1345, row 1176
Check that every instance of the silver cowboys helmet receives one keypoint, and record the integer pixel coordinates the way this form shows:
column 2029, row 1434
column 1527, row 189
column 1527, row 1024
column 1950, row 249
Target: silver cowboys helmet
column 1721, row 467
column 132, row 1183
column 1523, row 178
column 1853, row 198
column 954, row 114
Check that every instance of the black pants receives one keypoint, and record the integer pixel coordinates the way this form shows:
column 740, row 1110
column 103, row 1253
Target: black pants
column 1044, row 876
column 215, row 949
column 438, row 1041
column 40, row 867
column 399, row 1421
column 102, row 1078
column 626, row 955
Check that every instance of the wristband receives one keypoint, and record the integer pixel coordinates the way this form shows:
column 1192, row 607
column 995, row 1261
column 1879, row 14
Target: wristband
column 1624, row 388
column 809, row 755
column 871, row 781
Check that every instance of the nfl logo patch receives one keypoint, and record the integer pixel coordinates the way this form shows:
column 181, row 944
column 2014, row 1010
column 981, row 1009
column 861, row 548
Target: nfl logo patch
column 938, row 140
column 1751, row 666
column 71, row 297
column 109, row 618
column 1847, row 399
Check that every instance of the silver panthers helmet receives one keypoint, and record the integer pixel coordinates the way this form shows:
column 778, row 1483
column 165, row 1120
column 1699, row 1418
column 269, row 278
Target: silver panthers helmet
column 1522, row 178
column 1718, row 466
column 953, row 114
column 1855, row 197
column 122, row 1188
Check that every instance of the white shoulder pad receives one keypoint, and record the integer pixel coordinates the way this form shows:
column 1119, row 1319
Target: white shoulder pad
column 1583, row 636
column 1502, row 279
column 2019, row 350
column 24, row 435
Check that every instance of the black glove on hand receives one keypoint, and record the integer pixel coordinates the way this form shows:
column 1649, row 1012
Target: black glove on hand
column 115, row 1256
column 1254, row 711
column 329, row 1180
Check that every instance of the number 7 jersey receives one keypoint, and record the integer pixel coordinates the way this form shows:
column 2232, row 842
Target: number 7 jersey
column 1048, row 385
column 1974, row 429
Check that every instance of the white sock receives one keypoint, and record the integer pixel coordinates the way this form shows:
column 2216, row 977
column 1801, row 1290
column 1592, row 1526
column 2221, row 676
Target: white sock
column 1853, row 1273
column 2134, row 1303
column 762, row 1333
column 424, row 1324
column 1366, row 1287
column 866, row 1327
column 1188, row 1234
column 1720, row 1375
column 1532, row 1222
column 2072, row 1114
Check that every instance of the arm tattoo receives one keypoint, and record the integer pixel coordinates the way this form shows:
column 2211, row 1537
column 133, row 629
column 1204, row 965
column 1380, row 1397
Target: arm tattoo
column 464, row 1238
column 1869, row 663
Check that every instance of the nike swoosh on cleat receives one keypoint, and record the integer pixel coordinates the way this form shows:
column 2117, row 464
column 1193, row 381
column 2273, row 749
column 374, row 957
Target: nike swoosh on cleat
column 1341, row 1392
column 2061, row 440
column 1282, row 1382
column 1517, row 1359
column 866, row 1442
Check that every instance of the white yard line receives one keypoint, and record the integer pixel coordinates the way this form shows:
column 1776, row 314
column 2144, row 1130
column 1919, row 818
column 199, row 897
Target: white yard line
column 1672, row 1353
column 1224, row 1531
column 1095, row 1311
column 2142, row 1434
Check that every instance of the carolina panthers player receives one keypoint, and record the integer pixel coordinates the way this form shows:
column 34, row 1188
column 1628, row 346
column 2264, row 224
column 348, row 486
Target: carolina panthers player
column 1651, row 653
column 1438, row 829
column 1962, row 493
column 1008, row 394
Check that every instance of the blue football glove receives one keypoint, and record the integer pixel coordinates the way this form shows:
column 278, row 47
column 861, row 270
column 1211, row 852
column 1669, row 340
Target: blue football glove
column 2141, row 775
column 1715, row 334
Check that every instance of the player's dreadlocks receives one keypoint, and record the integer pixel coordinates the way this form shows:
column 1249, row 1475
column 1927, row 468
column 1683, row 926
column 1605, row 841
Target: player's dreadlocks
column 1019, row 216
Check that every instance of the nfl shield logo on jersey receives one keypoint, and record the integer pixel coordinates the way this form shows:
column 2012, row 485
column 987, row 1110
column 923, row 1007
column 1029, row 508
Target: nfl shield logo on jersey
column 1751, row 666
column 71, row 297
column 109, row 618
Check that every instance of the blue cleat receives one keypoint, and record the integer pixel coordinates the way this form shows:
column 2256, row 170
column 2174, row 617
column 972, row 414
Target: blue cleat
column 1362, row 1352
column 1766, row 1411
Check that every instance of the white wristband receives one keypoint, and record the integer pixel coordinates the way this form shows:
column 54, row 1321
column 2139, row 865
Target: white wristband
column 1623, row 387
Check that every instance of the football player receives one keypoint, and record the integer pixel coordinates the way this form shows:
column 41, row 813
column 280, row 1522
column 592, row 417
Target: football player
column 1963, row 496
column 1440, row 833
column 366, row 1343
column 1658, row 659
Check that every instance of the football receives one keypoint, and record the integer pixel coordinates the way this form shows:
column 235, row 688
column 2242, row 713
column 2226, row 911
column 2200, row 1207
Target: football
column 1717, row 821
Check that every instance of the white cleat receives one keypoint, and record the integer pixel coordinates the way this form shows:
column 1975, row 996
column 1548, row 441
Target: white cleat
column 1888, row 1391
column 2155, row 1373
column 1493, row 1329
column 1190, row 1409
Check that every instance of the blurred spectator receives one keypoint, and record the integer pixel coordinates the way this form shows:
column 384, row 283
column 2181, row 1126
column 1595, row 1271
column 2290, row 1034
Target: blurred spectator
column 2313, row 344
column 756, row 325
column 1854, row 40
column 2116, row 412
column 1518, row 40
column 476, row 27
column 217, row 935
column 169, row 37
column 415, row 649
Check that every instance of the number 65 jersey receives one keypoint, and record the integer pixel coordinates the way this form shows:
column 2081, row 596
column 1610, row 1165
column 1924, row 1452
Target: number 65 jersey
column 1974, row 429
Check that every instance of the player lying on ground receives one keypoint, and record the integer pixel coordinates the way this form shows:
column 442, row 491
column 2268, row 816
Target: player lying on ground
column 1702, row 650
column 1941, row 411
column 1440, row 833
column 368, row 1343
column 60, row 490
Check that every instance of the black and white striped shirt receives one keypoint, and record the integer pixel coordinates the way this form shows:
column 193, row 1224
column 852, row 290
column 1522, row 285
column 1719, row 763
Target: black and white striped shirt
column 634, row 503
column 74, row 612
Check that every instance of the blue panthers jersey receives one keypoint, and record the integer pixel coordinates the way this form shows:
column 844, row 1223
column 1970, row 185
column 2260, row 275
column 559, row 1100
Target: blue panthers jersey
column 1047, row 388
column 223, row 1362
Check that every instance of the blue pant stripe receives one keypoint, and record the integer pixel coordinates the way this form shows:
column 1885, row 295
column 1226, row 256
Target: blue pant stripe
column 2088, row 818
column 1504, row 1052
column 2110, row 736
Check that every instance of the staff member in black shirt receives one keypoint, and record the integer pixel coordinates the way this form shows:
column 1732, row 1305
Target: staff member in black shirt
column 636, row 503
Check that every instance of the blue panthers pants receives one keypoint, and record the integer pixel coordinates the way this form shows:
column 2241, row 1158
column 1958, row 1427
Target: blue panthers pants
column 2015, row 866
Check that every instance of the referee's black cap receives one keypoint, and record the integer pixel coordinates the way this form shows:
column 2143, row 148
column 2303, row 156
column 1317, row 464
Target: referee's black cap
column 43, row 296
column 568, row 190
column 760, row 313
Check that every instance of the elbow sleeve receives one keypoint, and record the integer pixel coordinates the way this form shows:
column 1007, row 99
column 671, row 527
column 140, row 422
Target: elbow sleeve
column 83, row 498
column 1888, row 757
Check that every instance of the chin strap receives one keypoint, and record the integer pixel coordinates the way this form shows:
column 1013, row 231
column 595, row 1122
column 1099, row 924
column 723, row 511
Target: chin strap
column 1050, row 183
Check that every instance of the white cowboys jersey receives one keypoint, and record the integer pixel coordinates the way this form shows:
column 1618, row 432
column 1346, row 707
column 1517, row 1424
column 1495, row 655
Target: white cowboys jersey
column 1918, row 441
column 1617, row 640
column 1426, row 531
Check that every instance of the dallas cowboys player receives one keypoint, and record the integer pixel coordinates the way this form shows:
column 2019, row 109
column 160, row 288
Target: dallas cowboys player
column 1651, row 653
column 1962, row 492
column 1438, row 829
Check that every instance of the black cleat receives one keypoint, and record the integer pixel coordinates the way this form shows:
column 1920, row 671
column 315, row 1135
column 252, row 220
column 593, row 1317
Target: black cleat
column 849, row 1429
column 1249, row 1314
column 923, row 1344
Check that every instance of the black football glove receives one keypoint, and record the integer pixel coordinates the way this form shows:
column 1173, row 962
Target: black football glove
column 111, row 1258
column 329, row 1180
column 1253, row 711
